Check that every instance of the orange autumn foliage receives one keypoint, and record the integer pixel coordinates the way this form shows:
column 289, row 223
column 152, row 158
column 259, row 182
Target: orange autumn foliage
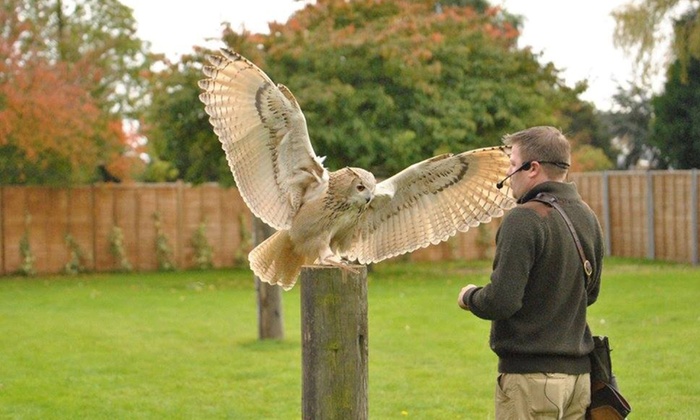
column 44, row 112
column 47, row 113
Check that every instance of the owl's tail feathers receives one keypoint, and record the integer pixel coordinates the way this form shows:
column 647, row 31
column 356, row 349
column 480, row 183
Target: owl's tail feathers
column 274, row 261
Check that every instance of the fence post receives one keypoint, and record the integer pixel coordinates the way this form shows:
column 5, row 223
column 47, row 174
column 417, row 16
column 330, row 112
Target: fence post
column 334, row 343
column 651, row 237
column 606, row 213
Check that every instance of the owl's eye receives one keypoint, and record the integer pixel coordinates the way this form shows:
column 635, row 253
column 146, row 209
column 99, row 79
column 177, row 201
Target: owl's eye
column 361, row 188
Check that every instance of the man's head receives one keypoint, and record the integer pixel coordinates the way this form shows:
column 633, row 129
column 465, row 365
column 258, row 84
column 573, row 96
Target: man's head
column 538, row 154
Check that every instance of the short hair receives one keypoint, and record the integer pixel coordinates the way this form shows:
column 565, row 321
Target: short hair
column 543, row 144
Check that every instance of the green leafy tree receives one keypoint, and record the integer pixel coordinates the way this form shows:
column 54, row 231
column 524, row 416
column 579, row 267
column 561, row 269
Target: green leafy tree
column 630, row 123
column 382, row 85
column 676, row 126
column 591, row 150
column 178, row 129
column 386, row 84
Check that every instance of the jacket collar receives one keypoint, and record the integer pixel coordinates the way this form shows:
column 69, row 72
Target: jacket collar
column 565, row 191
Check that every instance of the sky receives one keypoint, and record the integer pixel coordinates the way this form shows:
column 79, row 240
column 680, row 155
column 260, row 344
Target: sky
column 575, row 35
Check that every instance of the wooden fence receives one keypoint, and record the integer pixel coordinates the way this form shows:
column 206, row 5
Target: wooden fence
column 644, row 215
column 90, row 214
column 651, row 215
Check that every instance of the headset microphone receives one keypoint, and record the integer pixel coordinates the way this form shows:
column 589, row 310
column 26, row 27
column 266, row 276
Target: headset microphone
column 524, row 167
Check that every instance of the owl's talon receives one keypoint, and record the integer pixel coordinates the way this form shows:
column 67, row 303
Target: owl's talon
column 335, row 261
column 345, row 266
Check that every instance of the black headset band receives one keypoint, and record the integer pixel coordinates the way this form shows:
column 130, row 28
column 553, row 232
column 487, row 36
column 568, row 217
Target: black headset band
column 562, row 165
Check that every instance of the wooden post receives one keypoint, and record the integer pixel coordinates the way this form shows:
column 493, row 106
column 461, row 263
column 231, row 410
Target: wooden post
column 334, row 343
column 606, row 213
column 270, row 321
column 651, row 227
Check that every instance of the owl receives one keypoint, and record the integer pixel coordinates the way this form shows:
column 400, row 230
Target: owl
column 334, row 217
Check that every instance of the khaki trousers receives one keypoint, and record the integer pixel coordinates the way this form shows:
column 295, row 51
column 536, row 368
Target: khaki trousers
column 542, row 396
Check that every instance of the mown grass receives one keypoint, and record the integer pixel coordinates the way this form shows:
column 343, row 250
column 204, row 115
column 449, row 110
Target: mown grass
column 184, row 345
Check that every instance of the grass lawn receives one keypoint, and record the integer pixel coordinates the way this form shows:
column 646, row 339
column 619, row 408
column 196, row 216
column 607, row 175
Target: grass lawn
column 184, row 345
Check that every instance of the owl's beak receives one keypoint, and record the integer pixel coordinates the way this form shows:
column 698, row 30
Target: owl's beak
column 370, row 197
column 368, row 200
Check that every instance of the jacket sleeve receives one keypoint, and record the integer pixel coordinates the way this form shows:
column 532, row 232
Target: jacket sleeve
column 518, row 243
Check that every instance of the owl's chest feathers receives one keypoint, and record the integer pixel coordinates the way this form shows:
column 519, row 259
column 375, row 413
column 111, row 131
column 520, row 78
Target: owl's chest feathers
column 324, row 221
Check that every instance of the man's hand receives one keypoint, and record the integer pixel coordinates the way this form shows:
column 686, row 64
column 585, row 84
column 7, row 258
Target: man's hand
column 460, row 298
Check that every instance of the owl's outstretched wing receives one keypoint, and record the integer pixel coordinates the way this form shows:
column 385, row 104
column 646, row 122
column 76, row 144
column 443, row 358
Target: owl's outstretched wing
column 430, row 201
column 263, row 133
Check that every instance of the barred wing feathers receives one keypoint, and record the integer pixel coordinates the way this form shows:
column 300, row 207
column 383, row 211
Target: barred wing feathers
column 430, row 201
column 264, row 135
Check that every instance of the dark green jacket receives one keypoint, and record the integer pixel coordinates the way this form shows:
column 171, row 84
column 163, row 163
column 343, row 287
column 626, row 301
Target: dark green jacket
column 537, row 299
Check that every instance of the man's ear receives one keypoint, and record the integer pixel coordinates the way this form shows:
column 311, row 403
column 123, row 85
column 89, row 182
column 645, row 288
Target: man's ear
column 535, row 169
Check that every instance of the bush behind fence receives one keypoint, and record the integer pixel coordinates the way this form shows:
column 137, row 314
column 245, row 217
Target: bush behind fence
column 108, row 227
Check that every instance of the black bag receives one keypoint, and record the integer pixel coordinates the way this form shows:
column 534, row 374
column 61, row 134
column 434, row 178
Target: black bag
column 606, row 400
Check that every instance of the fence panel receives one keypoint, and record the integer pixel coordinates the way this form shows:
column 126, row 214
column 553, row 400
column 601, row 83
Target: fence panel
column 652, row 214
column 36, row 205
column 167, row 209
column 14, row 219
column 238, row 220
column 146, row 218
column 57, row 228
column 126, row 220
column 672, row 192
column 646, row 215
column 629, row 214
column 81, row 220
column 590, row 186
column 103, row 222
column 213, row 214
column 192, row 216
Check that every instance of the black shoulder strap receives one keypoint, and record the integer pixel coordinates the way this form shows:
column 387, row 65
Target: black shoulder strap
column 551, row 201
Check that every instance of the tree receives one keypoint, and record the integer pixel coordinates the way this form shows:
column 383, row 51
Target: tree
column 386, row 84
column 178, row 129
column 589, row 138
column 66, row 76
column 382, row 85
column 630, row 124
column 676, row 126
column 96, row 37
column 640, row 30
column 47, row 119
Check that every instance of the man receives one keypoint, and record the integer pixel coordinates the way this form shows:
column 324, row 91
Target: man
column 537, row 297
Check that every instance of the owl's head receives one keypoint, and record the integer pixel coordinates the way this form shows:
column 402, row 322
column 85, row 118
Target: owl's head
column 356, row 185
